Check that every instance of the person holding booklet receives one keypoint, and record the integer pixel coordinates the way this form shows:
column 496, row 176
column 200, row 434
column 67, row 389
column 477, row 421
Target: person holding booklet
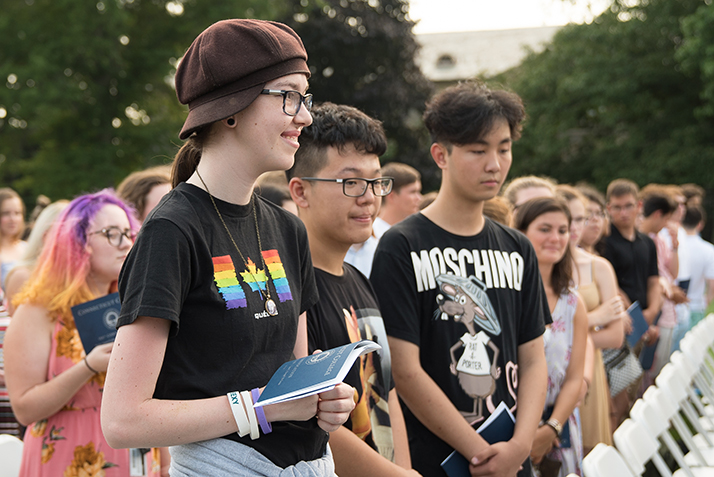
column 337, row 185
column 594, row 279
column 461, row 296
column 55, row 389
column 557, row 447
column 215, row 290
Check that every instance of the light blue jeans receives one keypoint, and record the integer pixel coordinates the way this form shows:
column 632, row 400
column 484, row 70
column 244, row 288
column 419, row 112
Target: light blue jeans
column 226, row 458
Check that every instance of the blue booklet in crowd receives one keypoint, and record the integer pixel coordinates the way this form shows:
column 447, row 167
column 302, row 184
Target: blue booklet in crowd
column 96, row 320
column 499, row 427
column 639, row 325
column 313, row 374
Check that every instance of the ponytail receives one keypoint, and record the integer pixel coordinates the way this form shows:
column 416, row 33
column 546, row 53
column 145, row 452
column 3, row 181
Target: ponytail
column 186, row 161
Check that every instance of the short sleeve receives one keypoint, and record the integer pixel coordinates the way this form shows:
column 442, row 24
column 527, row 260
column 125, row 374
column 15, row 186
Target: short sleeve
column 156, row 275
column 393, row 281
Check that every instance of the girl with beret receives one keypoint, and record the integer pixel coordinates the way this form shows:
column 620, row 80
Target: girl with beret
column 215, row 290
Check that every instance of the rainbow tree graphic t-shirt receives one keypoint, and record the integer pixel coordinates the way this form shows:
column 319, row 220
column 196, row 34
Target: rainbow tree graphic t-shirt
column 226, row 277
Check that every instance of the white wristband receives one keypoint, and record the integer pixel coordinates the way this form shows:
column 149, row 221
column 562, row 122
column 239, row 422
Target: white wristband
column 239, row 413
column 252, row 417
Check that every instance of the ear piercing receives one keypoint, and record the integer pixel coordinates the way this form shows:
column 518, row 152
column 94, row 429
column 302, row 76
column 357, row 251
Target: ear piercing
column 231, row 122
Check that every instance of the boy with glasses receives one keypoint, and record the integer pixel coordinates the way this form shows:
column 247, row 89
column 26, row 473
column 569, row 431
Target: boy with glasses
column 462, row 297
column 633, row 255
column 337, row 185
column 400, row 203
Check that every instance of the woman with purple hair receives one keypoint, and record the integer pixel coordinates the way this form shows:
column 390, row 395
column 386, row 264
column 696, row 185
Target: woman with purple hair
column 55, row 389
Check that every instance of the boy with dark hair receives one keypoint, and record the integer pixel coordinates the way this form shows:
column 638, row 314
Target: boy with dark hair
column 337, row 186
column 462, row 297
column 657, row 208
column 633, row 255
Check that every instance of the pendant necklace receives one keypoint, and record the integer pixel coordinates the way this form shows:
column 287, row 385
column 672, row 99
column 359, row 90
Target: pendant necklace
column 270, row 307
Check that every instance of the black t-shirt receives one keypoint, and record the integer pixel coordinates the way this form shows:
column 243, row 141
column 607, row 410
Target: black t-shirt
column 348, row 312
column 184, row 268
column 634, row 262
column 468, row 303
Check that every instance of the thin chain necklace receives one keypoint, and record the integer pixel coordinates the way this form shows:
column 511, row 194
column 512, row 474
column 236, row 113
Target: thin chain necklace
column 270, row 306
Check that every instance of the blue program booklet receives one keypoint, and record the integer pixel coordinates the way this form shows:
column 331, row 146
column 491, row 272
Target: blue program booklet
column 639, row 325
column 313, row 374
column 96, row 320
column 499, row 427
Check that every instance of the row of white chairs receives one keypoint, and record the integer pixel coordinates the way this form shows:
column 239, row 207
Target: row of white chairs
column 683, row 389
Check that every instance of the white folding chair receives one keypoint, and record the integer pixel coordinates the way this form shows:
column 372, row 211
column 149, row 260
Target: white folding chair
column 657, row 426
column 10, row 455
column 659, row 399
column 675, row 380
column 694, row 346
column 638, row 447
column 605, row 461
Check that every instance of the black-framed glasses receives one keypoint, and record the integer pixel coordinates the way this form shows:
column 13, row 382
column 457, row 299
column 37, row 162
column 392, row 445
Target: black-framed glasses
column 357, row 186
column 292, row 100
column 115, row 235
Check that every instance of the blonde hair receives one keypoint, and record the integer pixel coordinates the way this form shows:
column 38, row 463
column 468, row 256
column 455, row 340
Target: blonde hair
column 498, row 209
column 570, row 193
column 526, row 182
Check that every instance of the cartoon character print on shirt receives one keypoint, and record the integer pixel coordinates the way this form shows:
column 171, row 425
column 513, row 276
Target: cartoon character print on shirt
column 465, row 300
column 233, row 290
column 371, row 412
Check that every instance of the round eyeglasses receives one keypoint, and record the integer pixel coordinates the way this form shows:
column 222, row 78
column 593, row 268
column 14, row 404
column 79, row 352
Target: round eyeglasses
column 292, row 100
column 357, row 186
column 115, row 235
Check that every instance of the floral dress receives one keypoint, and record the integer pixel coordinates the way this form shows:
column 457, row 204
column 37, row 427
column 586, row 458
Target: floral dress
column 558, row 340
column 70, row 443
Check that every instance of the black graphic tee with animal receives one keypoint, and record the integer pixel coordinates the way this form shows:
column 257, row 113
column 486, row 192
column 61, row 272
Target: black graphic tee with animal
column 468, row 303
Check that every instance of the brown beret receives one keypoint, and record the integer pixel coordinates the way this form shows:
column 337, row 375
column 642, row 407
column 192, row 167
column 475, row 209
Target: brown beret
column 227, row 66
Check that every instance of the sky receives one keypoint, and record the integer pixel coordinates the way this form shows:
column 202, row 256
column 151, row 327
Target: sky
column 437, row 16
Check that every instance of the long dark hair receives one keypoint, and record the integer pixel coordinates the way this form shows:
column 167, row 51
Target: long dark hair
column 562, row 276
column 188, row 157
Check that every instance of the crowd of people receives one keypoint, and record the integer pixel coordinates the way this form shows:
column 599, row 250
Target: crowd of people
column 276, row 233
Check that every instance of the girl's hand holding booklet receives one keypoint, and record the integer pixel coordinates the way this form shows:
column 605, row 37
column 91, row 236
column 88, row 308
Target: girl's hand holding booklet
column 313, row 374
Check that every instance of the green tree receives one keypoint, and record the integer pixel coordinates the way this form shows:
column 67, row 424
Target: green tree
column 610, row 99
column 697, row 53
column 361, row 53
column 88, row 94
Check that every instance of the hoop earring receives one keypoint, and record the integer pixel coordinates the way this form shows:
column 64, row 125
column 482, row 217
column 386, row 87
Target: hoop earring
column 231, row 122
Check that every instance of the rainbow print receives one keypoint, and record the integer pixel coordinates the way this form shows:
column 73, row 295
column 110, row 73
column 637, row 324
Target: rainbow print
column 224, row 273
column 230, row 288
column 277, row 274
